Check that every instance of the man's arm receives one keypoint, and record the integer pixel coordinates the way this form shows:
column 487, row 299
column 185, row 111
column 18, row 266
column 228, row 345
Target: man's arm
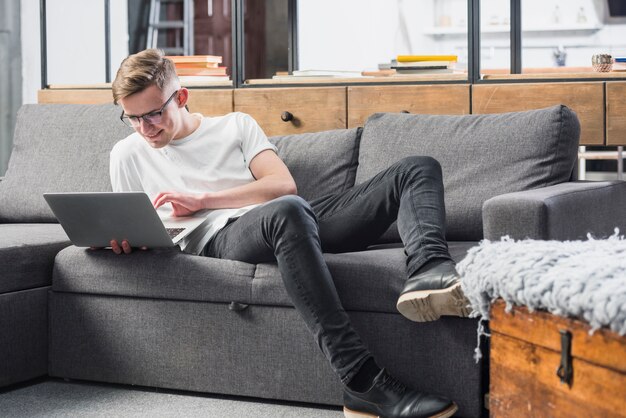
column 272, row 180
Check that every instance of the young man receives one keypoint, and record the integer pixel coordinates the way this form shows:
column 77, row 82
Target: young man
column 226, row 164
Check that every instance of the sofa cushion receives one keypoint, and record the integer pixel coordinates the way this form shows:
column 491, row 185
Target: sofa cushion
column 481, row 156
column 366, row 281
column 27, row 254
column 321, row 163
column 158, row 273
column 57, row 148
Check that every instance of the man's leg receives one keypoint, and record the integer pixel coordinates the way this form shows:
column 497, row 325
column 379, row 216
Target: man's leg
column 286, row 230
column 410, row 191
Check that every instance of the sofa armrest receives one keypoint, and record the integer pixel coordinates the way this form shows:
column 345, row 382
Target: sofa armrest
column 566, row 211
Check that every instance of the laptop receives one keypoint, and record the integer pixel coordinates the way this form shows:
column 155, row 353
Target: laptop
column 94, row 219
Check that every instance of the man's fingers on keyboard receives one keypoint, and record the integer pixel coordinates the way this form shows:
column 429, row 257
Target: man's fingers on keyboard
column 115, row 247
column 126, row 247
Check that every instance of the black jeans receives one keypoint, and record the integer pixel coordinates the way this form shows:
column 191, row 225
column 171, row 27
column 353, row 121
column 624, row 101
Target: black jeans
column 295, row 233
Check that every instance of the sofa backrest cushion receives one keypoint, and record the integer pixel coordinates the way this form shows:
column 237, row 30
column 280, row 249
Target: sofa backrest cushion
column 58, row 148
column 321, row 163
column 481, row 156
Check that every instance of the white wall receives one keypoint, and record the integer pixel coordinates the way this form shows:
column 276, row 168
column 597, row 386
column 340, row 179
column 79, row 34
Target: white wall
column 76, row 48
column 359, row 34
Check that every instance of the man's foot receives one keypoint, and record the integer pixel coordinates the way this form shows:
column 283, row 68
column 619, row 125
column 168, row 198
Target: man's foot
column 389, row 398
column 434, row 291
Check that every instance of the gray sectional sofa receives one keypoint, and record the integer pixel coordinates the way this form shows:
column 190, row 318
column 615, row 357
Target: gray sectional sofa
column 168, row 319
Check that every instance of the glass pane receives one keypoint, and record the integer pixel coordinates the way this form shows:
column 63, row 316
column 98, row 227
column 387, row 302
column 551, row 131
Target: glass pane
column 119, row 33
column 266, row 38
column 495, row 37
column 561, row 36
column 212, row 30
column 357, row 35
column 76, row 49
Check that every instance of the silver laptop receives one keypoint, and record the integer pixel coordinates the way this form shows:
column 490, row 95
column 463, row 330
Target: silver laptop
column 94, row 219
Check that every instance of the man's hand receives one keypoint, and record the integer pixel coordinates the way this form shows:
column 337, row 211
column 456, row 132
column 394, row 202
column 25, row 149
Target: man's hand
column 183, row 204
column 119, row 249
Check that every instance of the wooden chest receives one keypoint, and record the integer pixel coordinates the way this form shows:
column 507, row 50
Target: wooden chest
column 543, row 365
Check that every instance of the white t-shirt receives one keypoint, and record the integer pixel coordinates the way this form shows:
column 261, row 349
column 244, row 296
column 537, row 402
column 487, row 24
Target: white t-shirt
column 215, row 157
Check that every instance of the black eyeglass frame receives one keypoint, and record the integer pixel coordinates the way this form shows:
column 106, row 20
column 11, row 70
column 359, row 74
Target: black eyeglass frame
column 126, row 119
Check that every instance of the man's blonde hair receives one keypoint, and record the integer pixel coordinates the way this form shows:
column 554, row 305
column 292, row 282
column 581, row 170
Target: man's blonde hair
column 142, row 70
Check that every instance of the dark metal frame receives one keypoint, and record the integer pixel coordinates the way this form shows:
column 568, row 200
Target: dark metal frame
column 238, row 47
column 292, row 18
column 44, row 44
column 238, row 43
column 107, row 40
column 516, row 36
column 473, row 41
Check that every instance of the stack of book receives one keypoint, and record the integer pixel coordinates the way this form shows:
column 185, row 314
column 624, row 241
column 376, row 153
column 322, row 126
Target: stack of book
column 620, row 64
column 199, row 68
column 422, row 64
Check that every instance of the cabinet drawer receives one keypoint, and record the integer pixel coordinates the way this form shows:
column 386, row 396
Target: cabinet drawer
column 309, row 109
column 433, row 100
column 211, row 102
column 586, row 99
column 616, row 113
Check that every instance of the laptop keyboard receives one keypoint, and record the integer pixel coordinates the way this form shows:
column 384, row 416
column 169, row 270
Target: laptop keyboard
column 172, row 232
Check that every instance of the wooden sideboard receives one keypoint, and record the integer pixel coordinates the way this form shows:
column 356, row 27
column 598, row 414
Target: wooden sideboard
column 600, row 105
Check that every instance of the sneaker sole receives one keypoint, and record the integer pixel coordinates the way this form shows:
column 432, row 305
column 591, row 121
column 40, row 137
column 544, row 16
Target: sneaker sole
column 430, row 305
column 349, row 413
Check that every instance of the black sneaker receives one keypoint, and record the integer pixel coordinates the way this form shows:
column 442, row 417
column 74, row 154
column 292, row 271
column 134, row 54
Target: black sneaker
column 390, row 398
column 433, row 293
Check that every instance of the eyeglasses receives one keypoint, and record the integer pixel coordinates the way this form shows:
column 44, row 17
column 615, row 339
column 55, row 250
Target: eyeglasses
column 151, row 117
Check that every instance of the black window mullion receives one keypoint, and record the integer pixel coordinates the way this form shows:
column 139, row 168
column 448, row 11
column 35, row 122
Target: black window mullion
column 473, row 40
column 43, row 37
column 238, row 59
column 292, row 21
column 107, row 40
column 516, row 36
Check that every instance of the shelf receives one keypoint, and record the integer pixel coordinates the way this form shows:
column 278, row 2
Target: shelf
column 555, row 75
column 343, row 80
column 505, row 29
column 99, row 86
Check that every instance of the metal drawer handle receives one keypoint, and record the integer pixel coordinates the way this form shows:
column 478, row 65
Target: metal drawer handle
column 286, row 116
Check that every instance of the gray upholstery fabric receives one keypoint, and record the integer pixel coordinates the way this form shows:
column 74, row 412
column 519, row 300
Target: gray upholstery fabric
column 366, row 281
column 168, row 274
column 482, row 156
column 27, row 254
column 57, row 148
column 566, row 211
column 262, row 351
column 23, row 335
column 321, row 163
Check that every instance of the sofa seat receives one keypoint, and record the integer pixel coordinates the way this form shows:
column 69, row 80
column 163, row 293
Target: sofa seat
column 366, row 280
column 27, row 253
column 161, row 318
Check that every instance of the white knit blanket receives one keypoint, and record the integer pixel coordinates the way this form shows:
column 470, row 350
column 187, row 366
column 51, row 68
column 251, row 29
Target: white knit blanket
column 580, row 279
